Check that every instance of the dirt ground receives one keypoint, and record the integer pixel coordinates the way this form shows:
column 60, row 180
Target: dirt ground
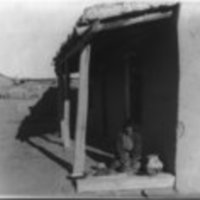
column 39, row 167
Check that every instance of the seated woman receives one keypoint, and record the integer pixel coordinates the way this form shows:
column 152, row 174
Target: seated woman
column 128, row 149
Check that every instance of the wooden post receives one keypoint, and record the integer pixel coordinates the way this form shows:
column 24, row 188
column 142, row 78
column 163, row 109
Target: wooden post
column 60, row 101
column 64, row 105
column 81, row 124
column 65, row 122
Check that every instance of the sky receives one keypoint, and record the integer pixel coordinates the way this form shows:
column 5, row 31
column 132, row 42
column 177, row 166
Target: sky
column 32, row 32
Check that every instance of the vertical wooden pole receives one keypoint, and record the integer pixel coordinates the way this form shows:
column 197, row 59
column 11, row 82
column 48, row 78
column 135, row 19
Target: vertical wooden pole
column 65, row 122
column 65, row 126
column 60, row 100
column 81, row 124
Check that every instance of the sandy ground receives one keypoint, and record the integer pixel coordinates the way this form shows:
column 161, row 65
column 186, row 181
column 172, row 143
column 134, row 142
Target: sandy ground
column 36, row 168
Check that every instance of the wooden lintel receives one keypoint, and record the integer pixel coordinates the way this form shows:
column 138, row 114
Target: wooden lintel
column 97, row 26
column 135, row 20
column 81, row 123
column 127, row 22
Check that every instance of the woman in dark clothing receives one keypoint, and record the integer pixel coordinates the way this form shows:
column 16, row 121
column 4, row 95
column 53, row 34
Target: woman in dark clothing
column 128, row 149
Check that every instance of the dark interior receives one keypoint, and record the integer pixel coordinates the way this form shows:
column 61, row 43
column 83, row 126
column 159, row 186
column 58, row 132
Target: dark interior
column 152, row 52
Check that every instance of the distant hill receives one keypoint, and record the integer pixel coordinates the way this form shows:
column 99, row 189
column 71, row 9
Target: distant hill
column 5, row 81
column 24, row 88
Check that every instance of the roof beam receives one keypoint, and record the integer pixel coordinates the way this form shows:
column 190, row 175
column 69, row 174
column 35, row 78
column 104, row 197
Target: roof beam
column 81, row 43
column 98, row 27
column 132, row 21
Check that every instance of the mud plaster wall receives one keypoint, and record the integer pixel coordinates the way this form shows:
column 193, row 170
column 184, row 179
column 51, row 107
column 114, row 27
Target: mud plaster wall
column 188, row 148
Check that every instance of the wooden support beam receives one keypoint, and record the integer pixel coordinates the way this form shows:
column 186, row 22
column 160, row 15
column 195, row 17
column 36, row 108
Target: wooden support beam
column 65, row 132
column 61, row 97
column 132, row 21
column 81, row 124
column 97, row 26
column 65, row 121
column 81, row 42
column 60, row 101
column 120, row 23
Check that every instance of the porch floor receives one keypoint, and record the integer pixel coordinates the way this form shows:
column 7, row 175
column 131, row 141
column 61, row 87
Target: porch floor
column 124, row 181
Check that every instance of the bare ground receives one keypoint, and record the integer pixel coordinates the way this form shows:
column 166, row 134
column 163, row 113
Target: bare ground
column 36, row 168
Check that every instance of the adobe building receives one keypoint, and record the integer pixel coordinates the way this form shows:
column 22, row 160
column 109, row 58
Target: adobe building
column 137, row 60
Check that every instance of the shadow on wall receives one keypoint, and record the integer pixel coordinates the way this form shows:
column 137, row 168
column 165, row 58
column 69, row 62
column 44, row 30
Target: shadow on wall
column 42, row 118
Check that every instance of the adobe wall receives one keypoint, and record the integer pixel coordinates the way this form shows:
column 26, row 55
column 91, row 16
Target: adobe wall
column 188, row 146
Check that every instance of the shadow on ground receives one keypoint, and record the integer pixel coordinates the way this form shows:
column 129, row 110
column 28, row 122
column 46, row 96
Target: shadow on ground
column 43, row 123
column 42, row 118
column 65, row 165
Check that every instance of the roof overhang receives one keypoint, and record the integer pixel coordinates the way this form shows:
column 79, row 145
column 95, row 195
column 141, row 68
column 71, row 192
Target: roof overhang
column 114, row 16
